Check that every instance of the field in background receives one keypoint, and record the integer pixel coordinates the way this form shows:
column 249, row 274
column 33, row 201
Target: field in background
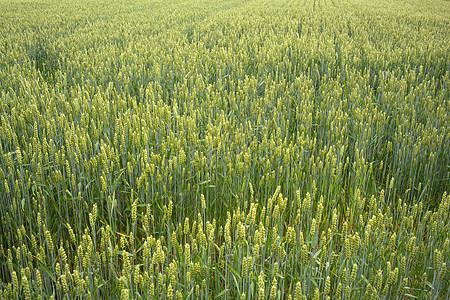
column 224, row 149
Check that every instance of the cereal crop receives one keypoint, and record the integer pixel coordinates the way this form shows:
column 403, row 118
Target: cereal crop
column 239, row 149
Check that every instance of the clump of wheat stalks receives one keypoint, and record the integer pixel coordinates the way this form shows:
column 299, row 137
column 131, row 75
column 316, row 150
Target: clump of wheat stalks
column 230, row 149
column 261, row 252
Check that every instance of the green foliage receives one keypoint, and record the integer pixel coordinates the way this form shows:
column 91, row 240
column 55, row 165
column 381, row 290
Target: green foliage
column 224, row 149
column 44, row 59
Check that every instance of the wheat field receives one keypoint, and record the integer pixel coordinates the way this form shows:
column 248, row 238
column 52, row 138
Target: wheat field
column 239, row 149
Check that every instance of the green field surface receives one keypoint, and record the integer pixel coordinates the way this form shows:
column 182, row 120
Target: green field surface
column 225, row 149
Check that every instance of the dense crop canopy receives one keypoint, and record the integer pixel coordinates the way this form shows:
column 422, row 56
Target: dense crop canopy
column 224, row 149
